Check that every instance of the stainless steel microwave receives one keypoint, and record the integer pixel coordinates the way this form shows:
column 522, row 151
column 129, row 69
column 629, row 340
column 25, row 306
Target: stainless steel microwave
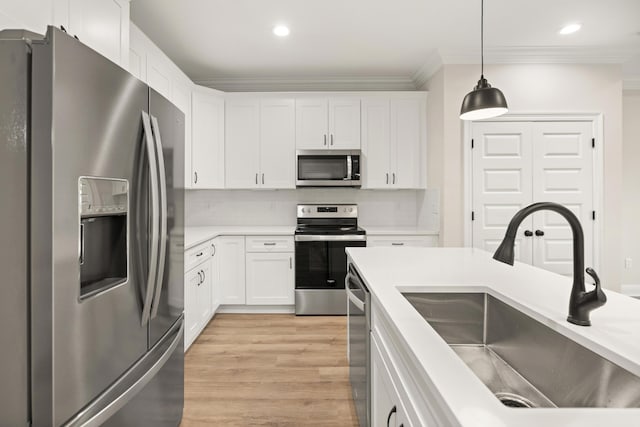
column 328, row 168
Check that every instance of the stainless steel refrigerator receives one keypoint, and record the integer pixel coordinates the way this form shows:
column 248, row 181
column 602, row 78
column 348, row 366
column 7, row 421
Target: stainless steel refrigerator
column 91, row 221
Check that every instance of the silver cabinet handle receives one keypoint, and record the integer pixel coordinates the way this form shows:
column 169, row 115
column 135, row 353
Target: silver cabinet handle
column 397, row 244
column 325, row 139
column 269, row 243
column 387, row 174
column 256, row 179
column 262, row 179
column 204, row 276
column 331, row 139
column 162, row 172
column 213, row 247
column 199, row 278
column 290, row 263
column 155, row 217
column 394, row 178
column 195, row 176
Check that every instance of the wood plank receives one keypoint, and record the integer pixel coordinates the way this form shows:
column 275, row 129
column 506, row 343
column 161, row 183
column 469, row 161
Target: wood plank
column 269, row 370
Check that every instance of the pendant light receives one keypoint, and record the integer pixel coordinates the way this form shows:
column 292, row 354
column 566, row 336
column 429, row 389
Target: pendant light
column 483, row 101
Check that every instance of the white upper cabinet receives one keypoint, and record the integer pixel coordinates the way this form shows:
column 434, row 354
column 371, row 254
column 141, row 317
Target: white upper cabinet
column 260, row 143
column 394, row 142
column 277, row 143
column 323, row 123
column 102, row 25
column 344, row 123
column 207, row 139
column 242, row 143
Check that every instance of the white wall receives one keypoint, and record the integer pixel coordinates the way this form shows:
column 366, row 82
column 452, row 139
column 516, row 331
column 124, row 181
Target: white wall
column 530, row 88
column 631, row 185
column 269, row 207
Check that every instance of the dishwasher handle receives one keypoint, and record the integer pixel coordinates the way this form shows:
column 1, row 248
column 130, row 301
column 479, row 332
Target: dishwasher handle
column 355, row 300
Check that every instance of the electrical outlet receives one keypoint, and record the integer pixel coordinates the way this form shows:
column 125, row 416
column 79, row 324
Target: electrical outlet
column 627, row 263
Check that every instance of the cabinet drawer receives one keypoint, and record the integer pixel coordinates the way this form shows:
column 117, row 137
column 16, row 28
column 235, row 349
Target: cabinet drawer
column 197, row 255
column 269, row 243
column 413, row 241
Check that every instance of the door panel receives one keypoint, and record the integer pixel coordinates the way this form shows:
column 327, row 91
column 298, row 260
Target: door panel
column 83, row 345
column 501, row 184
column 311, row 123
column 207, row 144
column 231, row 273
column 171, row 302
column 562, row 173
column 407, row 139
column 277, row 143
column 270, row 278
column 376, row 147
column 344, row 124
column 242, row 143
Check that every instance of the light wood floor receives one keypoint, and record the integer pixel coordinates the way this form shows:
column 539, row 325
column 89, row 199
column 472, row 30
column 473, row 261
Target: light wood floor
column 269, row 370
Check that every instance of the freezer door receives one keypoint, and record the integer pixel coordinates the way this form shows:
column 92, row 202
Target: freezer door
column 168, row 129
column 14, row 308
column 87, row 199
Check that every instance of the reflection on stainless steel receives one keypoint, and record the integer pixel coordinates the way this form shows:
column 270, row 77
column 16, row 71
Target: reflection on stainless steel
column 523, row 357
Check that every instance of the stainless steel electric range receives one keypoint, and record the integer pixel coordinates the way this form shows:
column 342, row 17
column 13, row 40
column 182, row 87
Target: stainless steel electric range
column 322, row 234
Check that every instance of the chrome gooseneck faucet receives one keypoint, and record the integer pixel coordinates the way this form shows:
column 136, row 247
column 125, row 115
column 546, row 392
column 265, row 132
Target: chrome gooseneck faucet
column 581, row 302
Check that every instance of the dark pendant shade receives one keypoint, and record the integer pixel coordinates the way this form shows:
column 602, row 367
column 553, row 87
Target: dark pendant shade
column 483, row 102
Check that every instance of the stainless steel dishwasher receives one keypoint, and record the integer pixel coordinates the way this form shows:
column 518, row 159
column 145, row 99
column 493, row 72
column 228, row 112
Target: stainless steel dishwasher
column 359, row 312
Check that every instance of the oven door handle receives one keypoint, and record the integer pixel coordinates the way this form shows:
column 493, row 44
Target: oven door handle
column 330, row 238
column 355, row 300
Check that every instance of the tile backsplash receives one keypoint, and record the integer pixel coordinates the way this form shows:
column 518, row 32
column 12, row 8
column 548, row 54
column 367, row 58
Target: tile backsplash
column 278, row 207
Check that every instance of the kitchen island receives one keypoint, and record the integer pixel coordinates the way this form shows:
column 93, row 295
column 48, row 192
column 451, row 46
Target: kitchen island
column 429, row 384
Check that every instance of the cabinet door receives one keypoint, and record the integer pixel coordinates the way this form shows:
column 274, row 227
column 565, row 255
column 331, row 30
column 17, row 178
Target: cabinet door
column 204, row 293
column 311, row 124
column 191, row 317
column 408, row 143
column 277, row 143
column 103, row 25
column 376, row 147
column 181, row 98
column 344, row 123
column 231, row 273
column 207, row 139
column 386, row 406
column 242, row 143
column 270, row 278
column 159, row 74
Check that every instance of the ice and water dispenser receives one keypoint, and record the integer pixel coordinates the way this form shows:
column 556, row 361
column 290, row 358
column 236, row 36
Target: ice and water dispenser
column 104, row 208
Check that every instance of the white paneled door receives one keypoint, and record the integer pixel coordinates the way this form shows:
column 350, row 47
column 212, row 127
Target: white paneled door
column 515, row 164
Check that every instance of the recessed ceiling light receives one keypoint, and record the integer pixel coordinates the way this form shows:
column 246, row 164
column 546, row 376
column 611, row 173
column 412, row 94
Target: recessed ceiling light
column 281, row 31
column 571, row 28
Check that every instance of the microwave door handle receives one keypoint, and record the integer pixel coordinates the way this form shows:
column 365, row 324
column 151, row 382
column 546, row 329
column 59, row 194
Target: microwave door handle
column 163, row 216
column 153, row 180
column 349, row 168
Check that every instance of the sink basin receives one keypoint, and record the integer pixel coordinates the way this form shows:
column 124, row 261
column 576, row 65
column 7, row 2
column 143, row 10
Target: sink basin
column 521, row 361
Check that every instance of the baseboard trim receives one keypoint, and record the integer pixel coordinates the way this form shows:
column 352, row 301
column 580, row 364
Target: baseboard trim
column 256, row 309
column 631, row 289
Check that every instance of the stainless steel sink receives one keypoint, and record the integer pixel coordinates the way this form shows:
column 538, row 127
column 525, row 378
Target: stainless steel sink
column 523, row 362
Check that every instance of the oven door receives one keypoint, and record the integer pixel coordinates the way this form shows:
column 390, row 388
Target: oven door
column 321, row 268
column 338, row 168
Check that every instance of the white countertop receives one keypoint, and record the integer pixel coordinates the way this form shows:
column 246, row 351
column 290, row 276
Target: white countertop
column 398, row 231
column 615, row 333
column 196, row 235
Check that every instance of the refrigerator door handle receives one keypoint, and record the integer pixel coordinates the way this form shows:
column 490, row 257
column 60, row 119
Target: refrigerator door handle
column 153, row 180
column 162, row 172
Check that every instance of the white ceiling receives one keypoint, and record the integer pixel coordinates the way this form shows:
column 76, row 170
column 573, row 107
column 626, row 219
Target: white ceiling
column 222, row 40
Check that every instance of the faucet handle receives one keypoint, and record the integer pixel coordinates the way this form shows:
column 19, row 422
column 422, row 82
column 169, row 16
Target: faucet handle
column 598, row 291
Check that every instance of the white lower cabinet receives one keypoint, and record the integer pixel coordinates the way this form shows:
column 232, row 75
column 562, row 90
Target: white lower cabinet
column 231, row 269
column 400, row 241
column 198, row 310
column 387, row 408
column 270, row 278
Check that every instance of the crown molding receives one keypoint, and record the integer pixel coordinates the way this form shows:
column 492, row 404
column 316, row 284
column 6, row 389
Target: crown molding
column 631, row 83
column 428, row 69
column 539, row 55
column 293, row 84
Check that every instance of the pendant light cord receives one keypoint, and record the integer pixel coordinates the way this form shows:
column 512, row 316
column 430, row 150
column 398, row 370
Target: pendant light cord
column 482, row 38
